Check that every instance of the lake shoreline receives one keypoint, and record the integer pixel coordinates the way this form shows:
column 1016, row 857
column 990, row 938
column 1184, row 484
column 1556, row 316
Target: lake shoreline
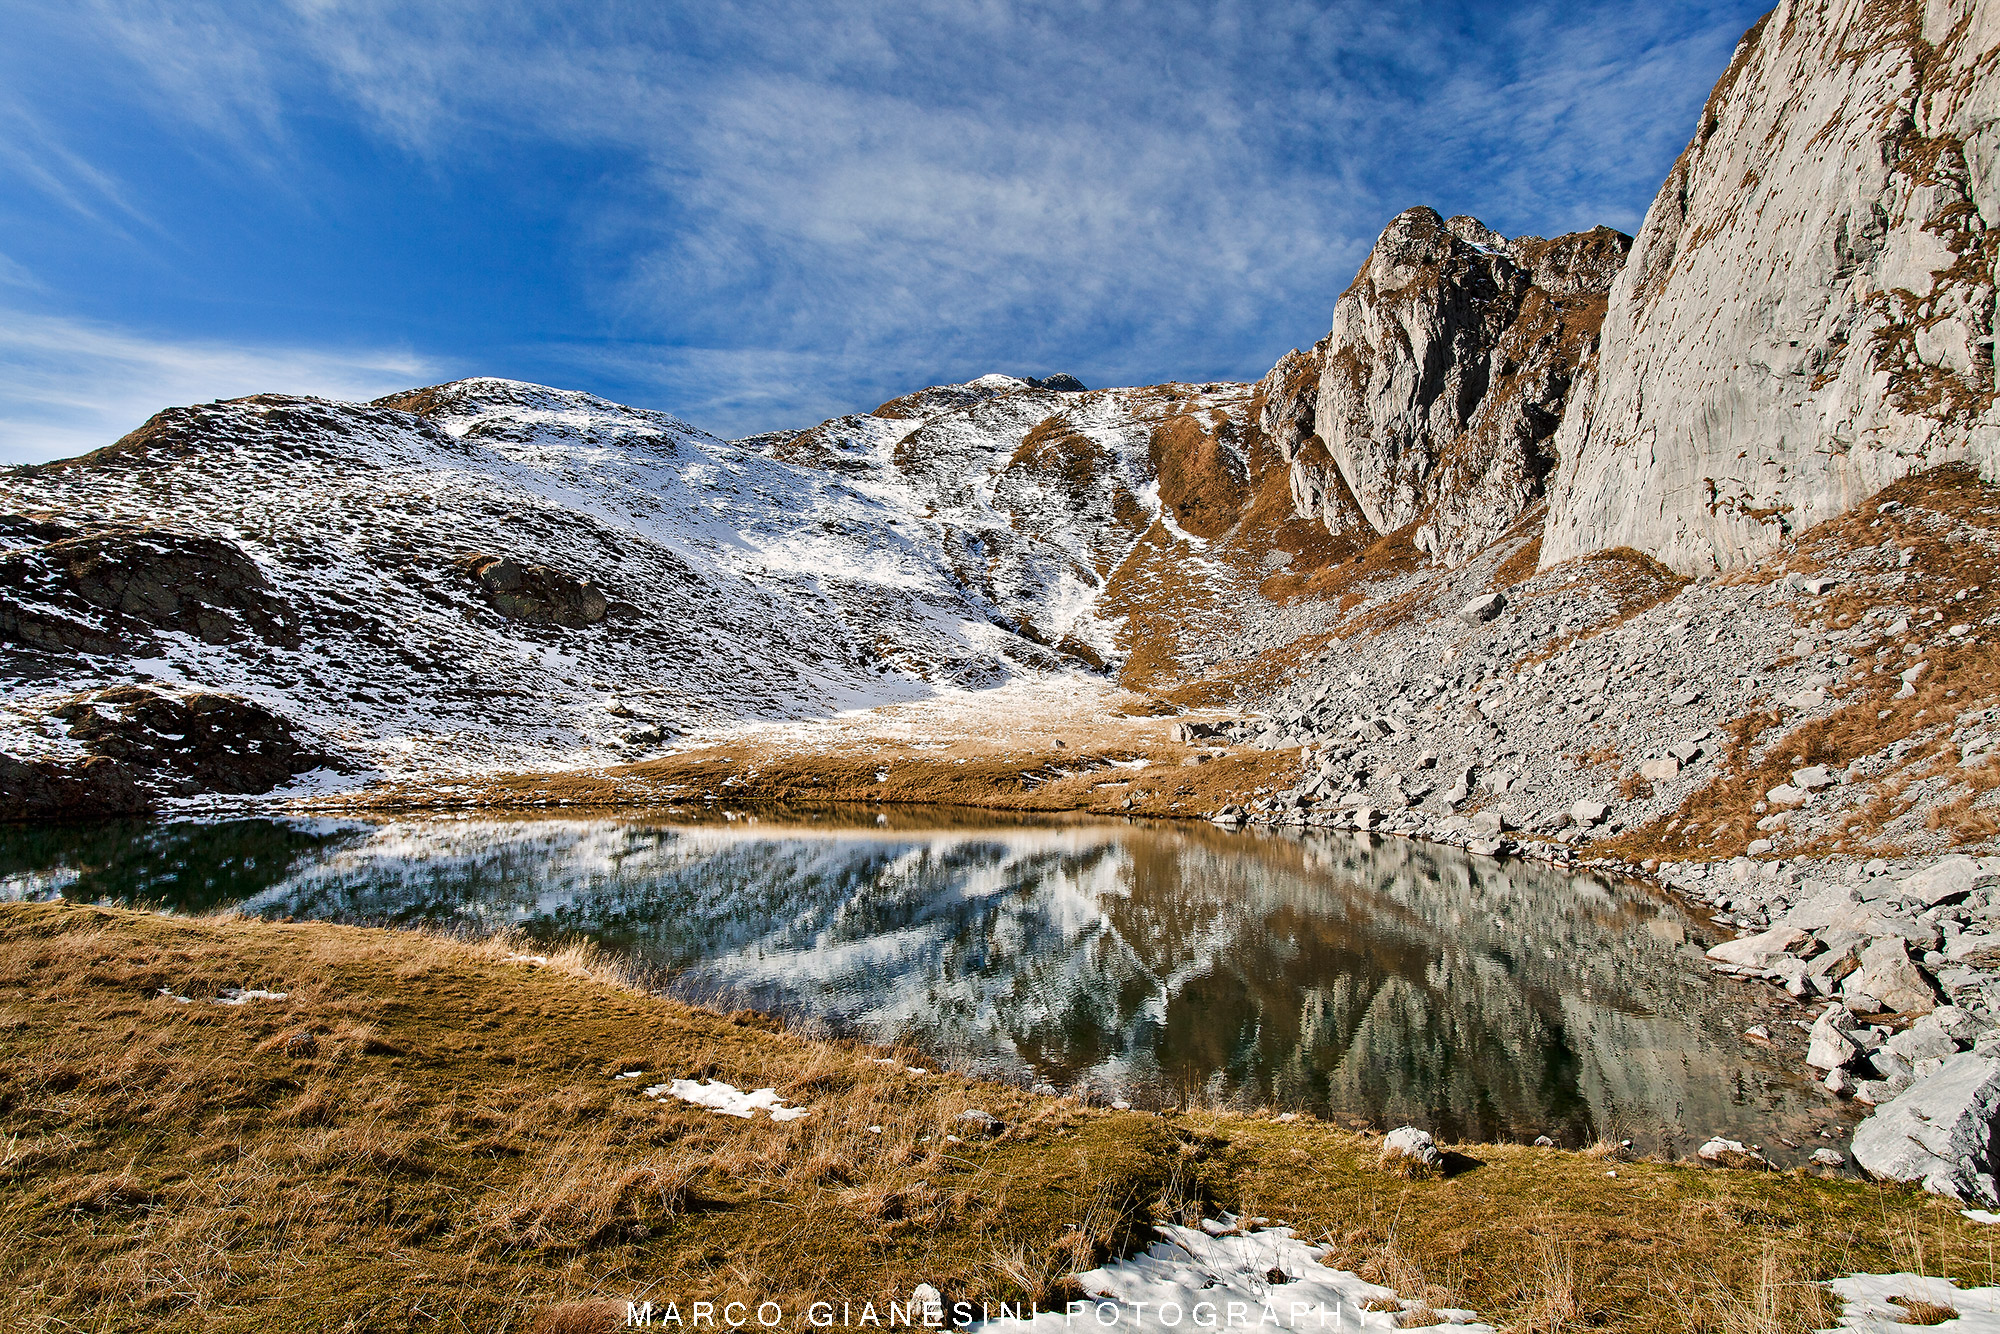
column 412, row 1034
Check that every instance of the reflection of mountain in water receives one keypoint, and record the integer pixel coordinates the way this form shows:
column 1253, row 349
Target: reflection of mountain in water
column 1387, row 980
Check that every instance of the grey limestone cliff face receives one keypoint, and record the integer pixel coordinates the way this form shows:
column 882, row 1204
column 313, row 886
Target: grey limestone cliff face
column 1433, row 398
column 1808, row 311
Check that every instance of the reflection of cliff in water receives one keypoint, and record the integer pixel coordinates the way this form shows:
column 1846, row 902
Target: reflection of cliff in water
column 1383, row 979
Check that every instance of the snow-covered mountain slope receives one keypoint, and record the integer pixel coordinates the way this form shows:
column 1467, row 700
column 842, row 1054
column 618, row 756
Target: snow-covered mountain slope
column 489, row 574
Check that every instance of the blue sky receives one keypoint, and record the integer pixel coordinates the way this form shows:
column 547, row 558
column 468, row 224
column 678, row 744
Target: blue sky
column 760, row 214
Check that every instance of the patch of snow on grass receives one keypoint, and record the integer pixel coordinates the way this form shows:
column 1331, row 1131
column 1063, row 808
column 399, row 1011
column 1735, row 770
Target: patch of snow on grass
column 1195, row 1278
column 234, row 996
column 726, row 1098
column 1869, row 1306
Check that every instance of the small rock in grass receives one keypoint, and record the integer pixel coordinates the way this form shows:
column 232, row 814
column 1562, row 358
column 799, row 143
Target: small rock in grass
column 1730, row 1153
column 984, row 1123
column 1411, row 1152
column 930, row 1301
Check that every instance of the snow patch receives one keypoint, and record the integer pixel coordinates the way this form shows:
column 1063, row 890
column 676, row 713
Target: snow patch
column 236, row 996
column 1222, row 1275
column 1868, row 1306
column 726, row 1098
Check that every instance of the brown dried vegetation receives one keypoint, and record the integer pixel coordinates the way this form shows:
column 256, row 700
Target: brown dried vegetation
column 492, row 1174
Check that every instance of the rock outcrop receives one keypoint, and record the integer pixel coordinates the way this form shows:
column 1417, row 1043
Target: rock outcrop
column 130, row 745
column 186, row 743
column 1432, row 399
column 69, row 589
column 536, row 594
column 1808, row 311
column 94, row 789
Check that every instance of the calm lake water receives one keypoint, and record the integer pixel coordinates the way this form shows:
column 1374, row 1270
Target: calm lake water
column 1368, row 980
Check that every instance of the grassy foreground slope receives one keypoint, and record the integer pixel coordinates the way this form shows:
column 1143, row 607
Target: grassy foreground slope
column 426, row 1133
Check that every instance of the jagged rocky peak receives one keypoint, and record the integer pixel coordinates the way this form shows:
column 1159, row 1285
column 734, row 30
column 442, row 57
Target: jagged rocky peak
column 1432, row 400
column 1808, row 312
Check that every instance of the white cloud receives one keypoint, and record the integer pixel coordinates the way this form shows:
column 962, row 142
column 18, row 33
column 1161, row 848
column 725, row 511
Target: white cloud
column 67, row 387
column 1129, row 189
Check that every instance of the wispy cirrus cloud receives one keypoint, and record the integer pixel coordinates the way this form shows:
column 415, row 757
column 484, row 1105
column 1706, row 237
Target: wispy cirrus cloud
column 67, row 387
column 883, row 194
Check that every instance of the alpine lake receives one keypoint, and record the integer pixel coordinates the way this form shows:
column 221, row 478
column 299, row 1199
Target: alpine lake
column 1367, row 980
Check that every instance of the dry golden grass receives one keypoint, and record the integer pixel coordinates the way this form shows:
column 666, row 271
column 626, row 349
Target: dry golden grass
column 1385, row 557
column 455, row 1151
column 455, row 1141
column 1080, row 775
column 1521, row 565
column 1198, row 482
column 1917, row 1311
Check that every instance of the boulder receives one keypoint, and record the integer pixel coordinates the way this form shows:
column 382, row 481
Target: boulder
column 1940, row 1131
column 1950, row 878
column 1189, row 731
column 1757, row 951
column 1784, row 794
column 537, row 594
column 1412, row 1151
column 1924, row 1040
column 1813, row 779
column 1483, row 608
column 1830, row 1047
column 1587, row 811
column 1888, row 974
column 1660, row 770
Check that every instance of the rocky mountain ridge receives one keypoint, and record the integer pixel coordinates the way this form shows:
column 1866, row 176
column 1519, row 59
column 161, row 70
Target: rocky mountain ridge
column 1432, row 399
column 488, row 574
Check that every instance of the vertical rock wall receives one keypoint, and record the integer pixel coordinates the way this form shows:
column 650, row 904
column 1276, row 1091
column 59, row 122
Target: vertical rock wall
column 1808, row 312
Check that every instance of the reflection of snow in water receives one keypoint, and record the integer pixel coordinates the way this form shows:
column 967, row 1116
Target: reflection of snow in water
column 1390, row 980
